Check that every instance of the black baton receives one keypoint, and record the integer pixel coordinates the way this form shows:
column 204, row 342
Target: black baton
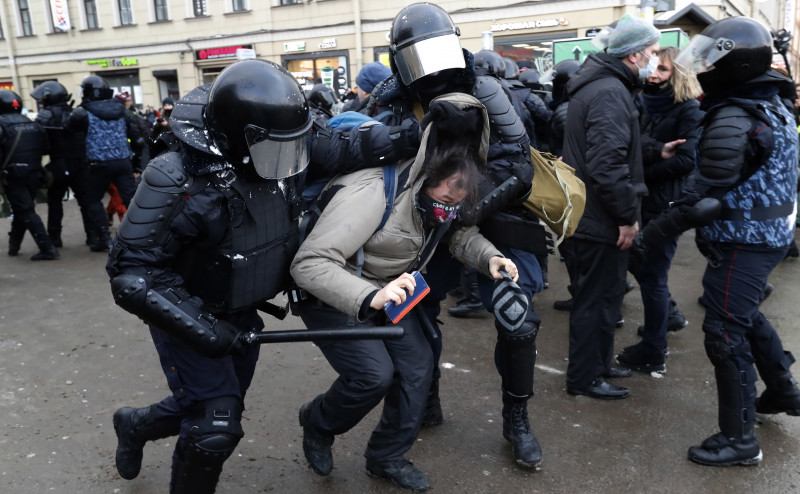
column 364, row 333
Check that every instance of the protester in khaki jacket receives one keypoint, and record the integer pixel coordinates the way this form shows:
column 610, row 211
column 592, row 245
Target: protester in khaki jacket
column 444, row 171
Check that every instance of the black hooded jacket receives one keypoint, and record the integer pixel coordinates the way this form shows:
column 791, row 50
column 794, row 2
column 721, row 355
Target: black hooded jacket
column 665, row 178
column 603, row 142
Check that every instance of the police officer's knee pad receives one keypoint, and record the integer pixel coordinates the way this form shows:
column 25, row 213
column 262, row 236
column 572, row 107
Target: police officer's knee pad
column 725, row 343
column 215, row 431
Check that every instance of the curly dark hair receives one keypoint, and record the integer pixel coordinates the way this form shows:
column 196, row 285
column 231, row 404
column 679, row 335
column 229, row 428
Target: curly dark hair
column 453, row 159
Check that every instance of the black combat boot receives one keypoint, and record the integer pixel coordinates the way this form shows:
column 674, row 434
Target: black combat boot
column 675, row 320
column 15, row 237
column 99, row 240
column 517, row 430
column 316, row 445
column 47, row 251
column 781, row 395
column 736, row 443
column 433, row 407
column 134, row 427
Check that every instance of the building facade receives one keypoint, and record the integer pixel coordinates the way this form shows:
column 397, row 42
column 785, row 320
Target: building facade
column 164, row 48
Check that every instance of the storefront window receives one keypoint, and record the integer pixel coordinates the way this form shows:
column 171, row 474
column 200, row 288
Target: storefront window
column 538, row 49
column 330, row 69
column 125, row 81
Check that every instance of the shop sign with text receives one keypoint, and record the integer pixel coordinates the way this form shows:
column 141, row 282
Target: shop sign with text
column 113, row 62
column 221, row 52
column 512, row 26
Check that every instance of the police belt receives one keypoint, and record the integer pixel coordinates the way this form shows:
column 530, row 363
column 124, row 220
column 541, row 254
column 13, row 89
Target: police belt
column 758, row 213
column 518, row 233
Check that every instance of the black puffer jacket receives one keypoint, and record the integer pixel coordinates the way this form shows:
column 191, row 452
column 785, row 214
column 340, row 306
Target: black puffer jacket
column 665, row 177
column 603, row 142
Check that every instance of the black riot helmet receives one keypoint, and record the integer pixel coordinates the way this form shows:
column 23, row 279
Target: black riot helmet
column 559, row 75
column 258, row 118
column 728, row 52
column 530, row 79
column 488, row 62
column 321, row 96
column 96, row 88
column 512, row 69
column 10, row 102
column 423, row 41
column 50, row 93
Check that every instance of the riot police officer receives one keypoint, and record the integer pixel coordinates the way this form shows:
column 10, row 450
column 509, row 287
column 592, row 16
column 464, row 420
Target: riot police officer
column 68, row 163
column 742, row 197
column 108, row 127
column 418, row 31
column 209, row 237
column 21, row 145
column 321, row 101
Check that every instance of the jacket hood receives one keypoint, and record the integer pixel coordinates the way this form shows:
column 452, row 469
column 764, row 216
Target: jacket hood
column 106, row 109
column 598, row 66
column 428, row 140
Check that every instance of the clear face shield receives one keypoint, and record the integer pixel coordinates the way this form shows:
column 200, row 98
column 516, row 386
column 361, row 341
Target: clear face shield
column 276, row 156
column 428, row 56
column 702, row 52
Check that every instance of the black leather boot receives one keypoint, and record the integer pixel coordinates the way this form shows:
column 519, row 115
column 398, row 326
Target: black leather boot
column 99, row 240
column 316, row 445
column 47, row 251
column 517, row 430
column 433, row 407
column 134, row 427
column 781, row 396
column 15, row 237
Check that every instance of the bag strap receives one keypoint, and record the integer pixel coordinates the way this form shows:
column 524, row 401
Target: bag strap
column 11, row 151
column 389, row 191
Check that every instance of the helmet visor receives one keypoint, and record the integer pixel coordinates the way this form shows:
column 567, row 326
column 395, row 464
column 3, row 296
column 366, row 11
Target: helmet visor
column 428, row 56
column 276, row 158
column 703, row 52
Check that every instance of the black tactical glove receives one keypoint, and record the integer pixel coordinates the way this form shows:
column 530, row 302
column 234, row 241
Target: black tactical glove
column 453, row 121
column 406, row 138
column 637, row 254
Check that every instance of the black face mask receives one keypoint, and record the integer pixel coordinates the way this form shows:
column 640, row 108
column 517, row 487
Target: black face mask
column 166, row 113
column 436, row 212
column 650, row 88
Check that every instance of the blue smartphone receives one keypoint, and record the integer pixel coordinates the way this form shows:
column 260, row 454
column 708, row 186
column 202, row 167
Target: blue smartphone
column 397, row 312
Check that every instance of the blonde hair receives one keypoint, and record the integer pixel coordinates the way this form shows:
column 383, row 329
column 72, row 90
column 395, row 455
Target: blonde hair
column 684, row 82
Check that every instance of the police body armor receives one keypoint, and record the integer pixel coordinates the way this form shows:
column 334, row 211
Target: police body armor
column 252, row 264
column 757, row 210
column 28, row 146
column 65, row 146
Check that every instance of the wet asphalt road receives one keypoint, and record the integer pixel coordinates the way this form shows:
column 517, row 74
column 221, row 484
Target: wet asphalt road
column 69, row 357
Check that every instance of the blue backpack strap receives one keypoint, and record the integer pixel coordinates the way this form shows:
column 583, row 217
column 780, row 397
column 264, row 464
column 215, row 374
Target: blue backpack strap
column 389, row 191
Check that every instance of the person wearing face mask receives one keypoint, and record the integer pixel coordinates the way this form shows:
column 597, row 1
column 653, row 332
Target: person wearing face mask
column 432, row 187
column 603, row 142
column 670, row 123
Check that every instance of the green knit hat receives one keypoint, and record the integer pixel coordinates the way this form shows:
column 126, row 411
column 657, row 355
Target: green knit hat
column 631, row 35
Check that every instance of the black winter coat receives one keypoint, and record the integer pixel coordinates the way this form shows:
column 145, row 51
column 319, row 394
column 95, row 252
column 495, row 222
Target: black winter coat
column 665, row 177
column 603, row 142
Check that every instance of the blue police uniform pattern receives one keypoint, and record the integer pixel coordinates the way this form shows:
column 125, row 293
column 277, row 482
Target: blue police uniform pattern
column 774, row 184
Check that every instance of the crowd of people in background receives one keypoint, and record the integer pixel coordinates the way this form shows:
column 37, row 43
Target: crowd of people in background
column 663, row 143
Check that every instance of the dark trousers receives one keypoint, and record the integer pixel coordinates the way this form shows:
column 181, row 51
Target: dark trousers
column 101, row 175
column 732, row 296
column 21, row 182
column 64, row 178
column 652, row 278
column 193, row 378
column 442, row 275
column 599, row 285
column 395, row 371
